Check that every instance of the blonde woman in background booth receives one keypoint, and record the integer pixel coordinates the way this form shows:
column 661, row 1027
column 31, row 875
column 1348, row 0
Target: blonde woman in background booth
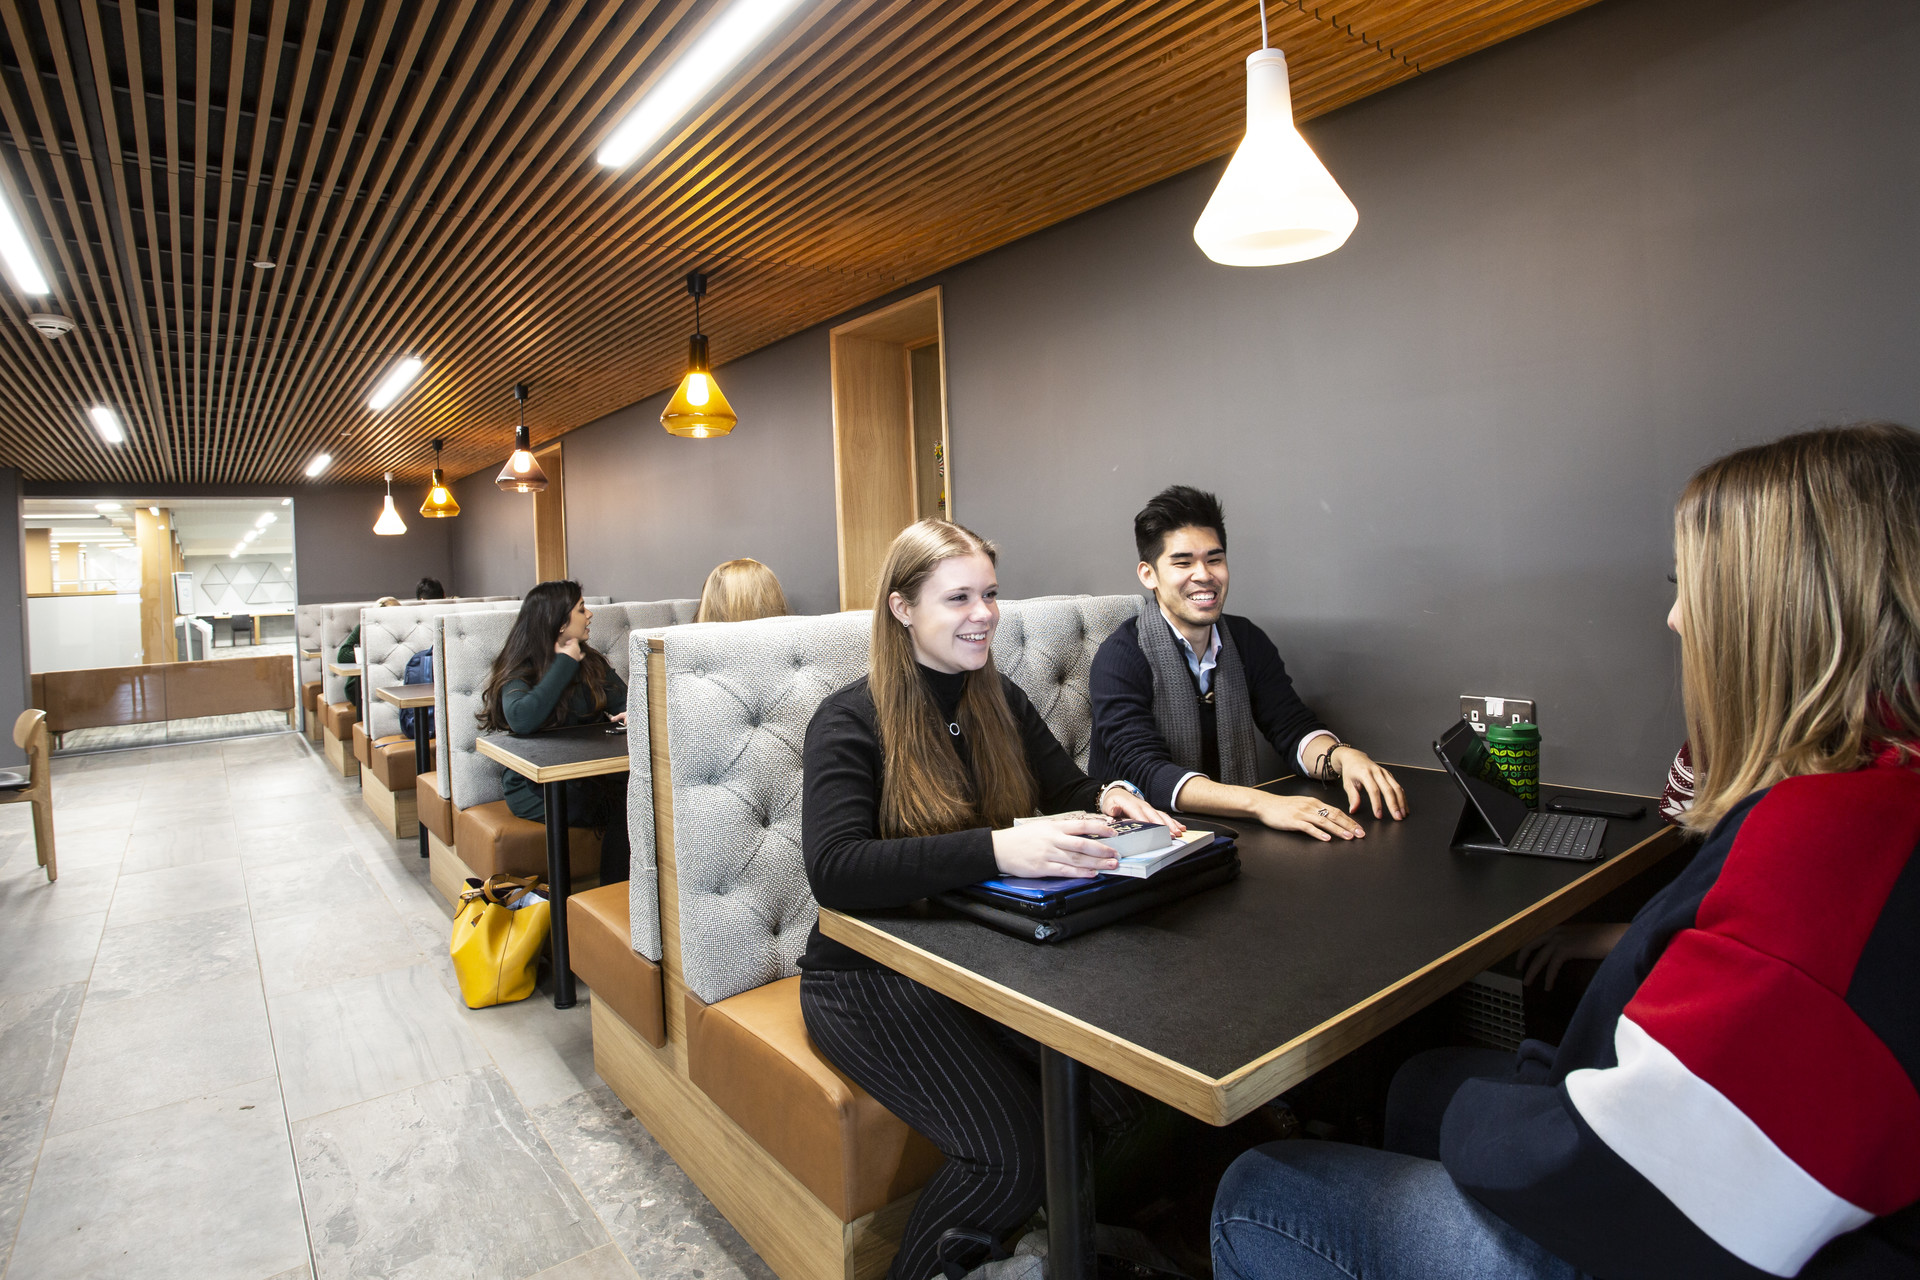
column 914, row 776
column 739, row 591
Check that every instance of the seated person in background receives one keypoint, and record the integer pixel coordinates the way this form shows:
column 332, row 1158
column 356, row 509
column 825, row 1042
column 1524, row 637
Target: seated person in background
column 1176, row 704
column 1736, row 1095
column 548, row 676
column 739, row 591
column 914, row 775
column 429, row 589
column 345, row 657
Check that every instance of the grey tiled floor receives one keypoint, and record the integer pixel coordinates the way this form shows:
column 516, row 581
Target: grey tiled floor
column 231, row 1049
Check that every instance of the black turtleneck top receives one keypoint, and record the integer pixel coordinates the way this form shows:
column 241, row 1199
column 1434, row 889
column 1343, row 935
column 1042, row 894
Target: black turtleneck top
column 849, row 865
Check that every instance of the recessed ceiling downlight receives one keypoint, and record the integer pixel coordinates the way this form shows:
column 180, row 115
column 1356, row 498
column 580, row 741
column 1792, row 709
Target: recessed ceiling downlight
column 321, row 461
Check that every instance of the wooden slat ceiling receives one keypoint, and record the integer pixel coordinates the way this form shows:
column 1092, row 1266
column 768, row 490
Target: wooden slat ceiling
column 421, row 175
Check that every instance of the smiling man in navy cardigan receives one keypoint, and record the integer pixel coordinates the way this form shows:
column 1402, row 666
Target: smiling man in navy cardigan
column 1179, row 692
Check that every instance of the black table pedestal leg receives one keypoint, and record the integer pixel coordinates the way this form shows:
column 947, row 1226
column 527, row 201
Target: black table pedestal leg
column 1063, row 1105
column 420, row 766
column 559, row 869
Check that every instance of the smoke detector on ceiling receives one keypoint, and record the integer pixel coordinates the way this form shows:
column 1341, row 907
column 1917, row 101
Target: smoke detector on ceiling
column 51, row 324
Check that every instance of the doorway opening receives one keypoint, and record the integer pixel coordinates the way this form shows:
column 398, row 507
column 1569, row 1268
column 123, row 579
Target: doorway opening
column 891, row 452
column 159, row 620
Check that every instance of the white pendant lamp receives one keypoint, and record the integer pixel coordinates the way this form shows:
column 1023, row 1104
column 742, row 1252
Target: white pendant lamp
column 389, row 522
column 1276, row 202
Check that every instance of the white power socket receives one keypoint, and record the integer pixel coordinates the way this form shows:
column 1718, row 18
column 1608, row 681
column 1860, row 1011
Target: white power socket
column 1481, row 712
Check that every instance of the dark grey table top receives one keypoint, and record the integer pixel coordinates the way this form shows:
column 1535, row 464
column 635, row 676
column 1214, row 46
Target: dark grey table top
column 1310, row 934
column 552, row 755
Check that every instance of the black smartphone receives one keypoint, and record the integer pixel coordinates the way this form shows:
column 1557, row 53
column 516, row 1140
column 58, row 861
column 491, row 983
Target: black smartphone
column 1596, row 806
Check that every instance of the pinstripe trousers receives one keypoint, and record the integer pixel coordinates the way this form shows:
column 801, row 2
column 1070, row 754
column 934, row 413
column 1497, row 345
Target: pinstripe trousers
column 967, row 1083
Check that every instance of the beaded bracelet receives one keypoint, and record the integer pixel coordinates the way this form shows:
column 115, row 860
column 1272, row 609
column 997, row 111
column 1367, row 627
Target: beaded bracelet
column 1324, row 771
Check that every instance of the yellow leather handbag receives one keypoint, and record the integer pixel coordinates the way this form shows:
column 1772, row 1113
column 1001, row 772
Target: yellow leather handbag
column 497, row 938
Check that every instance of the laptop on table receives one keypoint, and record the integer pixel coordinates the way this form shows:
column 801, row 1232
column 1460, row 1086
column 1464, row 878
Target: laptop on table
column 1496, row 820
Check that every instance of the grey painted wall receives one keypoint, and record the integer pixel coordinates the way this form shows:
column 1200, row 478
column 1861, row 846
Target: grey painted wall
column 15, row 684
column 338, row 556
column 649, row 514
column 1588, row 261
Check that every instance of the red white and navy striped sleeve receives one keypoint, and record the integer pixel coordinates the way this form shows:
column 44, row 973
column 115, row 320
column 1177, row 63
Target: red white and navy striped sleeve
column 1763, row 1098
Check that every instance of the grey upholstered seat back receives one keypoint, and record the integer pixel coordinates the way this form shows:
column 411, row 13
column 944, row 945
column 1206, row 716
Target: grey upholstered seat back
column 306, row 627
column 390, row 637
column 1046, row 646
column 337, row 622
column 464, row 649
column 739, row 698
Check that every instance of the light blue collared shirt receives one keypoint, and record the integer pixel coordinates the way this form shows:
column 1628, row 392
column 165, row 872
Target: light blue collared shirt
column 1202, row 664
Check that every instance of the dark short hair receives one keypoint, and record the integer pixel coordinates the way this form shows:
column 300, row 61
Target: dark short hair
column 429, row 589
column 1179, row 506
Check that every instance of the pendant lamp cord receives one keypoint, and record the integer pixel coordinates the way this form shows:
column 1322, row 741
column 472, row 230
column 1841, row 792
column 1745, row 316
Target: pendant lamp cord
column 1263, row 25
column 696, row 310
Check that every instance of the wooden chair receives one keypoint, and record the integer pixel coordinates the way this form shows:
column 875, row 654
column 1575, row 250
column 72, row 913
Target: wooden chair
column 35, row 785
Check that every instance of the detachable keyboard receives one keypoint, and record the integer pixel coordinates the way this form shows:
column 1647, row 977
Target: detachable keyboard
column 1559, row 835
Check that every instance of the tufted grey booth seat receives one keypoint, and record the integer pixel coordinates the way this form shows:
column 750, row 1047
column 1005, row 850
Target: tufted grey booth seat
column 1046, row 646
column 739, row 699
column 390, row 637
column 487, row 837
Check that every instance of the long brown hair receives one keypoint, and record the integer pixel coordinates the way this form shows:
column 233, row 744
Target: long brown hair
column 740, row 591
column 1799, row 569
column 529, row 652
column 925, row 791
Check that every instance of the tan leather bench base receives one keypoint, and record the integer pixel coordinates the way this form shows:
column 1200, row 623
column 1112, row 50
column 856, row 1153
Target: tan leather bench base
column 434, row 809
column 310, row 708
column 788, row 1226
column 397, row 811
column 750, row 1053
column 492, row 840
column 336, row 737
column 391, row 760
column 600, row 948
column 362, row 751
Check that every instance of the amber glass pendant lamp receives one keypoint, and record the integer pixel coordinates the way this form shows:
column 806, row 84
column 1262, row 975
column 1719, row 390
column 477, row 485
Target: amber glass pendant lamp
column 698, row 410
column 439, row 504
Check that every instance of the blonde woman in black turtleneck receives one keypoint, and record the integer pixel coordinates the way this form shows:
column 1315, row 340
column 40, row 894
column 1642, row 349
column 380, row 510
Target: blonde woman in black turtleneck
column 914, row 776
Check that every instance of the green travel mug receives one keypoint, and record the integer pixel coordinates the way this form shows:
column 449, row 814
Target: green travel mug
column 1515, row 748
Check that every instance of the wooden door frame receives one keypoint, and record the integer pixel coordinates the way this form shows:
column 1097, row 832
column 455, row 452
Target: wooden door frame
column 895, row 323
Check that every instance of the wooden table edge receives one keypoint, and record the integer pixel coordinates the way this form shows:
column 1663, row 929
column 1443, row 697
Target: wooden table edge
column 344, row 669
column 543, row 774
column 1150, row 1072
column 386, row 694
column 1222, row 1101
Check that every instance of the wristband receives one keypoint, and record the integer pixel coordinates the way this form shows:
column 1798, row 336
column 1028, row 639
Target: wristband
column 1120, row 782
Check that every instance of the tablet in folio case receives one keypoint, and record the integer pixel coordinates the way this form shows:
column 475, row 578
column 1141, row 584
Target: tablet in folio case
column 1202, row 871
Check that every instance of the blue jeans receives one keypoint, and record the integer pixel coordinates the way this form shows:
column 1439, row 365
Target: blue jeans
column 1329, row 1211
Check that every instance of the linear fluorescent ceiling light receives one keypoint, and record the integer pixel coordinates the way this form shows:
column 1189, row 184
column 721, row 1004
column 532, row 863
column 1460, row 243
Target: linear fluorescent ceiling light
column 107, row 423
column 28, row 278
column 266, row 518
column 106, row 506
column 702, row 65
column 321, row 461
column 395, row 384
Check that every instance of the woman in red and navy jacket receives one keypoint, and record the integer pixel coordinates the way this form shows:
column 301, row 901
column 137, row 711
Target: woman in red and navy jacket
column 1736, row 1095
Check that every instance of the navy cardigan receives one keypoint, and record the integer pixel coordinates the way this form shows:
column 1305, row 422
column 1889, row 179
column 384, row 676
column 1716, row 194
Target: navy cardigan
column 1127, row 742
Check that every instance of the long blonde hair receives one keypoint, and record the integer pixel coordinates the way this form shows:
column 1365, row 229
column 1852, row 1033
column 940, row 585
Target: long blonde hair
column 925, row 791
column 1799, row 570
column 739, row 591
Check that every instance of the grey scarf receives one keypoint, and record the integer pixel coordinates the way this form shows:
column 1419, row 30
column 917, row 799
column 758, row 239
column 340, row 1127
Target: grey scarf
column 1178, row 710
